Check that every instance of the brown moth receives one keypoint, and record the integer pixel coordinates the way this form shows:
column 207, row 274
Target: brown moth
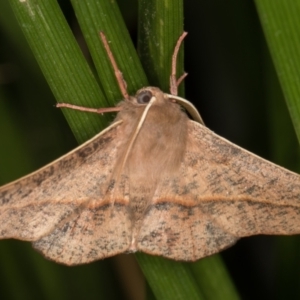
column 153, row 181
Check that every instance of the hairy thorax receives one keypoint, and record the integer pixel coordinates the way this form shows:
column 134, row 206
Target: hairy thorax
column 157, row 151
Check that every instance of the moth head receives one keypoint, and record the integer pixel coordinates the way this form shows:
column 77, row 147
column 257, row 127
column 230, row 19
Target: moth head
column 148, row 94
column 152, row 94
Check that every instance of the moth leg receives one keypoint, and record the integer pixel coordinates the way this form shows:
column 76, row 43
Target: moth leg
column 88, row 109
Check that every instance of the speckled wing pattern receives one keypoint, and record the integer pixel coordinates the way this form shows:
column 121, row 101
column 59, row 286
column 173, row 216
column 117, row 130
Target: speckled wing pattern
column 77, row 210
column 66, row 207
column 221, row 193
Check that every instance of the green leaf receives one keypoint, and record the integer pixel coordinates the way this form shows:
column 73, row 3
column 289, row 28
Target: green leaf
column 62, row 62
column 160, row 25
column 213, row 278
column 280, row 21
column 95, row 16
column 169, row 279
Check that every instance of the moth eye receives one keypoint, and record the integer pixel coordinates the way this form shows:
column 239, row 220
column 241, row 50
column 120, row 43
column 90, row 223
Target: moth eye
column 144, row 97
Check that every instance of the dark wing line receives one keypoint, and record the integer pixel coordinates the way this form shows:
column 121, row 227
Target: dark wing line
column 214, row 199
column 262, row 198
column 49, row 194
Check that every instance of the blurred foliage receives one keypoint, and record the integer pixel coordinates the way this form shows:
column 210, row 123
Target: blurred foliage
column 232, row 81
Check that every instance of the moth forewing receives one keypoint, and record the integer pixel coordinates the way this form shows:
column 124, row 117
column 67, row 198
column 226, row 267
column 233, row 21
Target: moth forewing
column 90, row 141
column 33, row 205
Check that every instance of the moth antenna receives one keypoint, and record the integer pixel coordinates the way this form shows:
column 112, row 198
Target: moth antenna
column 93, row 110
column 174, row 83
column 119, row 76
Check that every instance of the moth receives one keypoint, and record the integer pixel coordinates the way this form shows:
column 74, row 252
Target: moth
column 153, row 181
